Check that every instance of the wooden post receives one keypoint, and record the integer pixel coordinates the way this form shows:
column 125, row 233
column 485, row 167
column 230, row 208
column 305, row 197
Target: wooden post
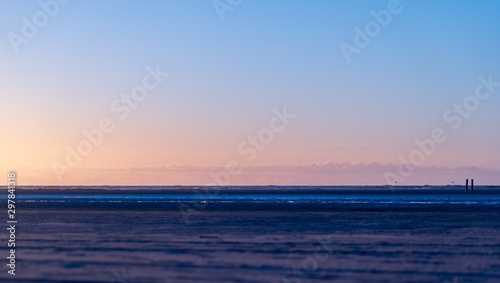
column 466, row 185
column 472, row 185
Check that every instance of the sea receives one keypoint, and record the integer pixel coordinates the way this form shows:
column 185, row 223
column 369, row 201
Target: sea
column 253, row 234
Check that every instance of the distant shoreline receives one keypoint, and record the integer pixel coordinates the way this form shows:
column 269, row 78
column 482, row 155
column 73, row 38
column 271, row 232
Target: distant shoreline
column 454, row 190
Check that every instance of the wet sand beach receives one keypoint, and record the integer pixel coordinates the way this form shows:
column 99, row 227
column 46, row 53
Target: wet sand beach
column 255, row 238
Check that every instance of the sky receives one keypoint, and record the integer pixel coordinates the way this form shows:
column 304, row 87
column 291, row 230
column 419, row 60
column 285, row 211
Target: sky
column 231, row 92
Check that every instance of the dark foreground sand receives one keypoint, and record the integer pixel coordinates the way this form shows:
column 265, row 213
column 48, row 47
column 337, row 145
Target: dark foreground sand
column 228, row 243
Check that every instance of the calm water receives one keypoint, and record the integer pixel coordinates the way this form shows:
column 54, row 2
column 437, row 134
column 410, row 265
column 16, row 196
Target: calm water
column 361, row 199
column 340, row 234
column 199, row 198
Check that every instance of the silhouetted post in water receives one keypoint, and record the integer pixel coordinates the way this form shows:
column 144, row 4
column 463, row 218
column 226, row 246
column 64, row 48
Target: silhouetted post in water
column 466, row 185
column 472, row 185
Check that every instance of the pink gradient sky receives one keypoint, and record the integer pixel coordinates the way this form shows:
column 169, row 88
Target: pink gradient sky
column 353, row 121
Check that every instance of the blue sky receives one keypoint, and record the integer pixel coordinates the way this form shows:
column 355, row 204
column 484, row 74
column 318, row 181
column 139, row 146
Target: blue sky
column 227, row 76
